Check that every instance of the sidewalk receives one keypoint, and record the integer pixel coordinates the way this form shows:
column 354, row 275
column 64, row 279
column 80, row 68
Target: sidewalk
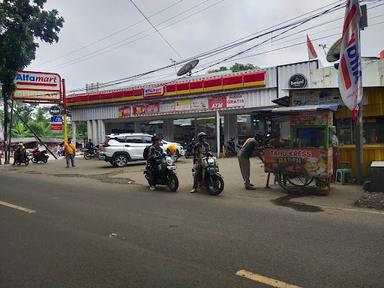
column 341, row 196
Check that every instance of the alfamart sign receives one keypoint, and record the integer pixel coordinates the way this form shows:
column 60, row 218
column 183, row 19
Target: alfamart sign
column 37, row 87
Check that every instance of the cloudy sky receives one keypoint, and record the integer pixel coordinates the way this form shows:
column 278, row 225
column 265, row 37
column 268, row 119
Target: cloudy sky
column 107, row 40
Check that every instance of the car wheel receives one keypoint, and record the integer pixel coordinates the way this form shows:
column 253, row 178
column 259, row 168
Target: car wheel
column 121, row 160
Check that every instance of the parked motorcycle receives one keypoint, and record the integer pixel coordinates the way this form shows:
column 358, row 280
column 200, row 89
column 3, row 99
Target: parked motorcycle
column 167, row 174
column 39, row 156
column 189, row 149
column 231, row 148
column 213, row 182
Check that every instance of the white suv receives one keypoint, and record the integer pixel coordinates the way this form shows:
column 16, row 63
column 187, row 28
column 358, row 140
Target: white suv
column 119, row 149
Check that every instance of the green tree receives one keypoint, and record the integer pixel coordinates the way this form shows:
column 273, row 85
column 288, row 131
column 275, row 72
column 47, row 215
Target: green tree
column 237, row 67
column 22, row 23
column 19, row 130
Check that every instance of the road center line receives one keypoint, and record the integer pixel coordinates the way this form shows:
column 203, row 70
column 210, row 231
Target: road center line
column 10, row 205
column 264, row 280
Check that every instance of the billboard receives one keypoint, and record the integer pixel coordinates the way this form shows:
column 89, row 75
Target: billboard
column 37, row 87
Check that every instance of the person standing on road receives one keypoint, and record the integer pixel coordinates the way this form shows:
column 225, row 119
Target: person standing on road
column 246, row 151
column 70, row 152
column 200, row 150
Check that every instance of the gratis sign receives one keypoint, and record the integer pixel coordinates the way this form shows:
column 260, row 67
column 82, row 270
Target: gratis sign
column 37, row 87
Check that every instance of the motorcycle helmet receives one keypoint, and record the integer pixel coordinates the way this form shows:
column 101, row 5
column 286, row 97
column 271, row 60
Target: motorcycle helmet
column 201, row 135
column 172, row 148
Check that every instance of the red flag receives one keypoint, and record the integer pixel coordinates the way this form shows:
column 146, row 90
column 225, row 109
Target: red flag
column 311, row 49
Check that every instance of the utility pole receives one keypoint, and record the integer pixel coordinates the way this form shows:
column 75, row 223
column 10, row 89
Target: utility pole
column 6, row 121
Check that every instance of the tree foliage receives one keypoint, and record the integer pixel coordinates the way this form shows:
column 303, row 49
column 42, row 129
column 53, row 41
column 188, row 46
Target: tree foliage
column 237, row 67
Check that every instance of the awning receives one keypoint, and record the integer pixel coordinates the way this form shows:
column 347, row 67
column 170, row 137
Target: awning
column 304, row 108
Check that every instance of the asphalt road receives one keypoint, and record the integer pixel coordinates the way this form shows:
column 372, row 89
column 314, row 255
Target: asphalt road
column 86, row 233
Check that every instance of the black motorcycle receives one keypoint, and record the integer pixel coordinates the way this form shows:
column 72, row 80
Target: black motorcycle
column 231, row 148
column 39, row 156
column 189, row 149
column 91, row 153
column 22, row 159
column 167, row 173
column 213, row 182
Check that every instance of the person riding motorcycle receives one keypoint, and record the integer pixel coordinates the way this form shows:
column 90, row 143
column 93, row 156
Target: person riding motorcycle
column 155, row 155
column 200, row 150
column 19, row 154
column 90, row 147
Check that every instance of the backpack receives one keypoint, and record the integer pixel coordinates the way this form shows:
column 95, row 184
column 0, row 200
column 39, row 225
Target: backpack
column 146, row 152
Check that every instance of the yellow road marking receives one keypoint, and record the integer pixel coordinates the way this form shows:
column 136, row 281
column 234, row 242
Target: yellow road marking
column 17, row 207
column 265, row 280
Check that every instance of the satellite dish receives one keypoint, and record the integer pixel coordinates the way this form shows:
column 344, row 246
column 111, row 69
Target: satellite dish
column 187, row 68
column 334, row 52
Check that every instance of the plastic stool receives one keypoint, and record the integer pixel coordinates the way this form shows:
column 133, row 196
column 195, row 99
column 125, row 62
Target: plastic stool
column 343, row 176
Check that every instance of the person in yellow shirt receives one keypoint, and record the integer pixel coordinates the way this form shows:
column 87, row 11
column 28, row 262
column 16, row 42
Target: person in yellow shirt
column 70, row 152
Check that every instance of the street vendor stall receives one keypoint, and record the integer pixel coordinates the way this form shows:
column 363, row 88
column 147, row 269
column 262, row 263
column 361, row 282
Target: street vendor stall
column 306, row 160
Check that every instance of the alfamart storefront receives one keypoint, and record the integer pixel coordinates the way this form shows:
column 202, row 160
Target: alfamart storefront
column 222, row 105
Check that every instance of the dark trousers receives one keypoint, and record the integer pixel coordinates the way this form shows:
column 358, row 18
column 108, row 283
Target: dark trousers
column 245, row 168
column 70, row 158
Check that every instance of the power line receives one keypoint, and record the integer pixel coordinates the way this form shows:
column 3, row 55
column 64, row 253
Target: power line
column 124, row 42
column 154, row 27
column 287, row 27
column 111, row 34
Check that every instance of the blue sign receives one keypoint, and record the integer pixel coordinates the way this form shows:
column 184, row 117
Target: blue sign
column 56, row 119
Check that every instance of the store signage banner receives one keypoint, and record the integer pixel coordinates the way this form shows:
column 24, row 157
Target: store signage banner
column 200, row 104
column 139, row 110
column 125, row 112
column 310, row 161
column 37, row 87
column 167, row 107
column 56, row 126
column 152, row 109
column 183, row 105
column 217, row 102
column 153, row 91
column 235, row 101
column 350, row 75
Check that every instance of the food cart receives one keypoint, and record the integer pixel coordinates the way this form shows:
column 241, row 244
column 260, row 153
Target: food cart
column 304, row 159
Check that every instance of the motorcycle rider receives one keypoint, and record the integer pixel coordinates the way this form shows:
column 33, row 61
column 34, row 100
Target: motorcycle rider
column 200, row 150
column 19, row 154
column 155, row 154
column 90, row 146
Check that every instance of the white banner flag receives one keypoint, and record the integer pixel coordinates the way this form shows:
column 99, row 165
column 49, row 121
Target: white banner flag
column 350, row 76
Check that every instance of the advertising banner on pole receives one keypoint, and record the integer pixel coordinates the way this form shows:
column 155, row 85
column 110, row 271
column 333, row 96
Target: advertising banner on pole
column 350, row 75
column 37, row 87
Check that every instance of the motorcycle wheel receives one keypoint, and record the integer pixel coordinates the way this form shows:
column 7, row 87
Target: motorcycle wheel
column 216, row 185
column 87, row 156
column 173, row 182
column 27, row 162
column 34, row 160
column 45, row 160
